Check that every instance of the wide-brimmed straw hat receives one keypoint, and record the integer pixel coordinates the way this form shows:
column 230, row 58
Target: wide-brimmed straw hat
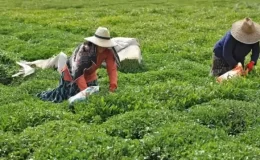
column 101, row 38
column 246, row 31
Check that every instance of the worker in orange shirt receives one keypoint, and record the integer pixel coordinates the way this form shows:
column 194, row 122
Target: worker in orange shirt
column 80, row 69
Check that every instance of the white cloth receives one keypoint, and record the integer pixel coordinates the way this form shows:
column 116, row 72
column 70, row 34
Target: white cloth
column 83, row 94
column 127, row 48
column 25, row 70
column 56, row 61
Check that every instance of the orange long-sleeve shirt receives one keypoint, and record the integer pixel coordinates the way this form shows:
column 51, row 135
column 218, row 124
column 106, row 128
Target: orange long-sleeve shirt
column 108, row 57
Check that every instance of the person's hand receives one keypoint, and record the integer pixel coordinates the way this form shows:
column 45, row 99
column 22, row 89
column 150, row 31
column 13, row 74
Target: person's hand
column 112, row 90
column 250, row 66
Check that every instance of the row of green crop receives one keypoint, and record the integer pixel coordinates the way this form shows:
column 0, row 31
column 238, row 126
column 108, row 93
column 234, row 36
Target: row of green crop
column 167, row 108
column 142, row 134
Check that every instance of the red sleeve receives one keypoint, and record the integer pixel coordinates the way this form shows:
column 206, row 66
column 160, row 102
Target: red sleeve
column 111, row 70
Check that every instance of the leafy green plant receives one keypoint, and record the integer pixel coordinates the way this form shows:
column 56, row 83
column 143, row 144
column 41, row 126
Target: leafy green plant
column 136, row 124
column 70, row 140
column 132, row 66
column 250, row 137
column 232, row 116
column 27, row 115
column 166, row 108
column 6, row 68
column 176, row 140
column 4, row 77
column 224, row 150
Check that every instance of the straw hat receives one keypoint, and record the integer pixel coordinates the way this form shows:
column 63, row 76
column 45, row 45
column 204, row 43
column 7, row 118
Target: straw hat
column 101, row 38
column 246, row 31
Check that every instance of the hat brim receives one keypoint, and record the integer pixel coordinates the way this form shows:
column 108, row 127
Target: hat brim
column 241, row 36
column 101, row 42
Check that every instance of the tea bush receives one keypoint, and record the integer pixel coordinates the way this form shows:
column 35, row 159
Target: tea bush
column 16, row 117
column 224, row 150
column 231, row 115
column 28, row 141
column 6, row 68
column 250, row 137
column 5, row 78
column 176, row 140
column 136, row 124
column 166, row 108
column 7, row 143
column 131, row 66
column 89, row 146
column 70, row 140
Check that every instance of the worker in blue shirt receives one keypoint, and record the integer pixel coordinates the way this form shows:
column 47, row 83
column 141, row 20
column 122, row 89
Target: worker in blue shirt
column 243, row 37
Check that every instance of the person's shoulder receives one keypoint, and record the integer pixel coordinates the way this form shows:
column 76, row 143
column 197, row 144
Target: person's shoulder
column 78, row 47
column 229, row 36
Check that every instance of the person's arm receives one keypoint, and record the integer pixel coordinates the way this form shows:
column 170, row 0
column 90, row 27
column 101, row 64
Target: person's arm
column 255, row 53
column 227, row 51
column 254, row 57
column 112, row 71
column 83, row 61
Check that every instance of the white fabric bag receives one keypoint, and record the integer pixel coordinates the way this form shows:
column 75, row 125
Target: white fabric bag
column 83, row 94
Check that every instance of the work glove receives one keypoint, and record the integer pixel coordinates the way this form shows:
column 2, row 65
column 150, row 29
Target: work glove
column 250, row 66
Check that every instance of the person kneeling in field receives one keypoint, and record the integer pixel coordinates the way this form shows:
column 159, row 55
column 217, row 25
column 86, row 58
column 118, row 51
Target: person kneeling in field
column 243, row 37
column 79, row 72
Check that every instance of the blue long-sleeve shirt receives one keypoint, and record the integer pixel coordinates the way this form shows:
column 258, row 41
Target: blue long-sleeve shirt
column 233, row 51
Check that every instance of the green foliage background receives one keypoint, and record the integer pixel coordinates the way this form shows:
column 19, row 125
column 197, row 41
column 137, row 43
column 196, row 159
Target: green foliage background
column 167, row 109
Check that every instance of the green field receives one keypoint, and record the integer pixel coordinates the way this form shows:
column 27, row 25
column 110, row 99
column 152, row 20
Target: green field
column 168, row 109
